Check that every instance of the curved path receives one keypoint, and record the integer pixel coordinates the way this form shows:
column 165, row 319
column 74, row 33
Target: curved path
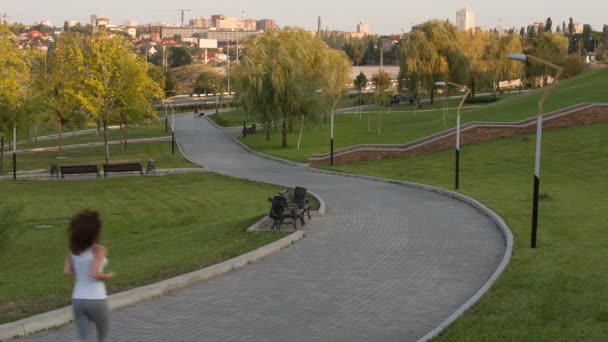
column 386, row 263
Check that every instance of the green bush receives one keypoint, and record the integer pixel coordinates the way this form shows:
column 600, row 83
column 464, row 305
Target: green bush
column 482, row 99
column 220, row 120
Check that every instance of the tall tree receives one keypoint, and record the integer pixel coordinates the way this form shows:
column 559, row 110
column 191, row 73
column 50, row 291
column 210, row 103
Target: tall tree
column 108, row 93
column 14, row 75
column 66, row 79
column 571, row 27
column 549, row 25
column 136, row 92
column 280, row 71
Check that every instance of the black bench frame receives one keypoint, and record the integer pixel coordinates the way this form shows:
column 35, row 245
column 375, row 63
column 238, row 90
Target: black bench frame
column 249, row 130
column 78, row 169
column 288, row 209
column 122, row 167
column 281, row 213
column 54, row 171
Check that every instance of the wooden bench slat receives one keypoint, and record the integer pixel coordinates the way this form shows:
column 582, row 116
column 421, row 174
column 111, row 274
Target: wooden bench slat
column 78, row 169
column 122, row 167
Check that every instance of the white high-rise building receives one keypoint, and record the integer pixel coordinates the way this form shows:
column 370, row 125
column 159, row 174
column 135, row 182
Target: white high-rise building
column 363, row 27
column 465, row 19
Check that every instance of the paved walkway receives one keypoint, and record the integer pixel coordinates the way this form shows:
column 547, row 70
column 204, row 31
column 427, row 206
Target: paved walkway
column 386, row 263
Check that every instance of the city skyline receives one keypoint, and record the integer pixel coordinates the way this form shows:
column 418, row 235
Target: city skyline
column 394, row 17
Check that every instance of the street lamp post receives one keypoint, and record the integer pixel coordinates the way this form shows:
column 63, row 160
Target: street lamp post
column 168, row 103
column 331, row 144
column 15, row 144
column 458, row 112
column 539, row 130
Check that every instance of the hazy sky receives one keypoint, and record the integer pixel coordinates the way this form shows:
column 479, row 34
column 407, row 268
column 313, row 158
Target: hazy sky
column 391, row 17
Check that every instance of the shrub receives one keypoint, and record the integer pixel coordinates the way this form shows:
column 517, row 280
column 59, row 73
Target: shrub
column 574, row 66
column 482, row 99
column 220, row 120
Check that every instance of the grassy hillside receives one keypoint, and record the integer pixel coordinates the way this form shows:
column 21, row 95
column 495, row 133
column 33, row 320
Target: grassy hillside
column 407, row 125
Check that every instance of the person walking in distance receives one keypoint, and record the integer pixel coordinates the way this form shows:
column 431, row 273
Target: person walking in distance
column 86, row 261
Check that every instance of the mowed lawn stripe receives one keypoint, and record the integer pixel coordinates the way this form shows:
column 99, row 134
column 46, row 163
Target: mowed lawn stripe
column 154, row 227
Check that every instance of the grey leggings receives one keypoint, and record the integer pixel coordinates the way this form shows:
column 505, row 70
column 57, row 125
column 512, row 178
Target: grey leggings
column 87, row 311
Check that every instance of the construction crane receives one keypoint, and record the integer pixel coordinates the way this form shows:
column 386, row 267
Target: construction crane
column 176, row 9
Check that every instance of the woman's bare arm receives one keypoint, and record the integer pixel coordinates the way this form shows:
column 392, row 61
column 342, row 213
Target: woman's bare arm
column 100, row 254
column 68, row 268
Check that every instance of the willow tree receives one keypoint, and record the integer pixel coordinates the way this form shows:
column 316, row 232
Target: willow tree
column 422, row 61
column 13, row 80
column 280, row 72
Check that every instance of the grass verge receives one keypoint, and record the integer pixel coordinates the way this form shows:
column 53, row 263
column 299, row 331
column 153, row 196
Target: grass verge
column 155, row 228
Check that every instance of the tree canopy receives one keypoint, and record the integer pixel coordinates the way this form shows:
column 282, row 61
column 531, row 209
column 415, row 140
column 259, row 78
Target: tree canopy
column 280, row 72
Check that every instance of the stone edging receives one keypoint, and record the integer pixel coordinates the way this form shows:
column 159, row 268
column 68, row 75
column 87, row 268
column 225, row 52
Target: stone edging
column 280, row 160
column 500, row 223
column 56, row 318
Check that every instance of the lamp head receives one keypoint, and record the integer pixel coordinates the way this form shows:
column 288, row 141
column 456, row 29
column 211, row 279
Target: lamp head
column 518, row 57
column 440, row 84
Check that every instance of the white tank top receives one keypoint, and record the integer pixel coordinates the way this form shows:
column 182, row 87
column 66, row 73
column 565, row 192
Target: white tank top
column 86, row 286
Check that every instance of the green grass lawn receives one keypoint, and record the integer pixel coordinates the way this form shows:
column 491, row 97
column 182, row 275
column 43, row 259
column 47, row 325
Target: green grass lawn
column 231, row 118
column 154, row 227
column 399, row 128
column 159, row 151
column 557, row 292
column 135, row 132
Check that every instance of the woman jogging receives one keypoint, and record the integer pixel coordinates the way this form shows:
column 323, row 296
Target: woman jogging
column 86, row 262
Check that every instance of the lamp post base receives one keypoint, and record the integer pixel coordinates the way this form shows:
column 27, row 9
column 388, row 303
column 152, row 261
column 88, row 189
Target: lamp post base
column 535, row 211
column 14, row 165
column 457, row 170
column 173, row 143
column 331, row 153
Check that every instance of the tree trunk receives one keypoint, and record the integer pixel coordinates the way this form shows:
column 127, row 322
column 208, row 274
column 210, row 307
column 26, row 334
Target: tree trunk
column 473, row 85
column 105, row 141
column 60, row 146
column 268, row 124
column 126, row 135
column 122, row 139
column 97, row 128
column 290, row 126
column 36, row 133
column 1, row 155
column 284, row 144
column 432, row 95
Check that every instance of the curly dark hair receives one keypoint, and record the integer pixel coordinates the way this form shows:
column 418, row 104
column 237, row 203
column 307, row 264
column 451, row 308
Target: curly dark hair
column 84, row 230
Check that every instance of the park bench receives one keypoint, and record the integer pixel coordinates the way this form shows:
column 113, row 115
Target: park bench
column 249, row 130
column 78, row 169
column 122, row 167
column 151, row 167
column 281, row 213
column 54, row 171
column 288, row 208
